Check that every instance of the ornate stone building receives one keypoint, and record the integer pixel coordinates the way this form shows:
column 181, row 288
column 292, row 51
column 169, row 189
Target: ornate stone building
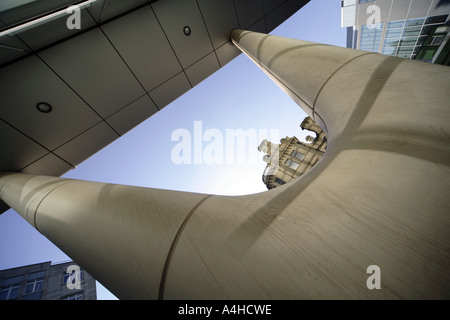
column 292, row 157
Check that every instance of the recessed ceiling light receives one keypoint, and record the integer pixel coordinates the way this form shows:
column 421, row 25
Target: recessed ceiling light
column 44, row 107
column 187, row 30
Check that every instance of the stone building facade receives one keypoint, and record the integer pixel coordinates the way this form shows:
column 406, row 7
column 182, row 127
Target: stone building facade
column 292, row 158
column 47, row 281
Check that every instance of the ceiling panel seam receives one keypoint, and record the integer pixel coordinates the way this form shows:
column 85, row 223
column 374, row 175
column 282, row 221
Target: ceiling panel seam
column 284, row 3
column 12, row 126
column 126, row 64
column 264, row 15
column 13, row 48
column 74, row 91
column 207, row 31
column 40, row 158
column 105, row 3
column 183, row 71
column 237, row 17
column 225, row 43
column 79, row 134
column 286, row 9
column 256, row 22
column 82, row 31
column 164, row 82
column 99, row 24
column 124, row 107
column 200, row 59
column 38, row 143
column 29, row 51
column 40, row 16
column 120, row 15
column 170, row 44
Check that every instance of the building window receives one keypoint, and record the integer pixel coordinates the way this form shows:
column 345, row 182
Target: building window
column 414, row 22
column 396, row 24
column 36, row 275
column 436, row 19
column 75, row 296
column 35, row 282
column 13, row 280
column 34, row 286
column 436, row 40
column 292, row 164
column 365, row 1
column 298, row 155
column 75, row 277
column 371, row 37
column 404, row 38
column 10, row 292
column 279, row 181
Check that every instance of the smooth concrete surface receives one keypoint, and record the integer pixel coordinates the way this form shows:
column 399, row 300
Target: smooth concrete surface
column 379, row 197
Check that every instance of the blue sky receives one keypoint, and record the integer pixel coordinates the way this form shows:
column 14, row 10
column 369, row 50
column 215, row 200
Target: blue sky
column 239, row 96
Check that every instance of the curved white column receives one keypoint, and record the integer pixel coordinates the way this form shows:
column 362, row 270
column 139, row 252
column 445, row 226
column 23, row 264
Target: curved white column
column 378, row 197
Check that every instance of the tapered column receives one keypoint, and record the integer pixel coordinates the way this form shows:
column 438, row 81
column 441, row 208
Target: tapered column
column 379, row 197
column 121, row 235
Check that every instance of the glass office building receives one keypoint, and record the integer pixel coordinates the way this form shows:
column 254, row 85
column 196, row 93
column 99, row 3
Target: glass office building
column 412, row 29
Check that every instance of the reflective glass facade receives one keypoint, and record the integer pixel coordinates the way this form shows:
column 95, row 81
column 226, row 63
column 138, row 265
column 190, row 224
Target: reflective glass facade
column 404, row 38
column 411, row 29
column 371, row 37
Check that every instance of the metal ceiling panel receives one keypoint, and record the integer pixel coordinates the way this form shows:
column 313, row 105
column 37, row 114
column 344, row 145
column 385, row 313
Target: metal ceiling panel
column 28, row 82
column 276, row 17
column 17, row 150
column 19, row 11
column 86, row 144
column 53, row 31
column 130, row 59
column 200, row 70
column 249, row 12
column 227, row 52
column 90, row 65
column 270, row 5
column 150, row 57
column 49, row 164
column 129, row 117
column 292, row 6
column 103, row 10
column 170, row 90
column 259, row 26
column 174, row 16
column 220, row 18
column 11, row 48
